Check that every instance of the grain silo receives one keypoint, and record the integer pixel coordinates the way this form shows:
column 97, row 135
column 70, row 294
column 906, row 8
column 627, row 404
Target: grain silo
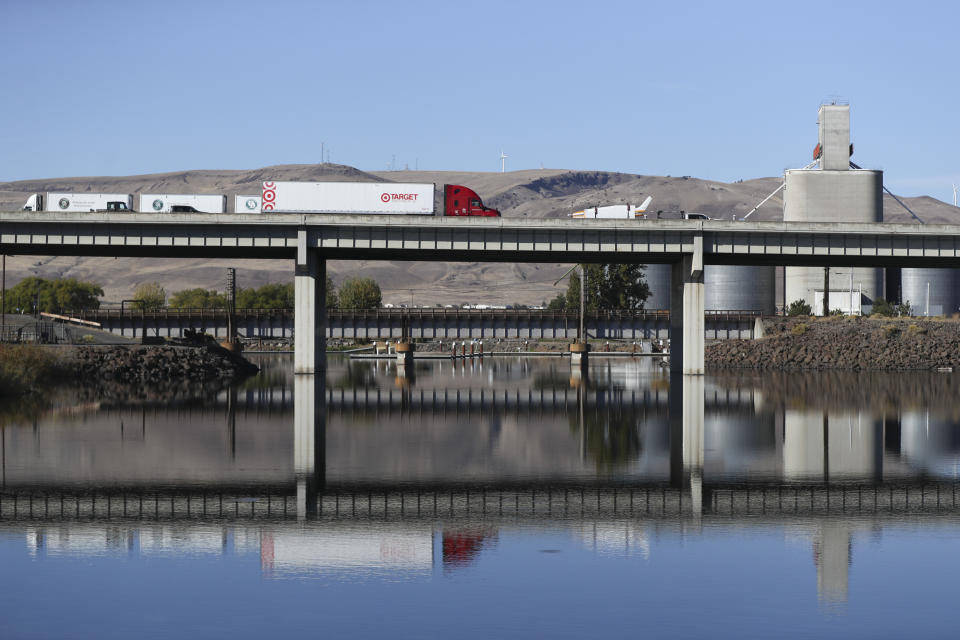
column 658, row 279
column 727, row 288
column 833, row 192
column 930, row 292
column 739, row 288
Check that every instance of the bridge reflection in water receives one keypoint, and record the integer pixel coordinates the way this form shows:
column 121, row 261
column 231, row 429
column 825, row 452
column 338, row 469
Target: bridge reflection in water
column 395, row 472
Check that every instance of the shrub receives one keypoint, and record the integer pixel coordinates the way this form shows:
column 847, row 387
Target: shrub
column 882, row 307
column 913, row 328
column 799, row 329
column 23, row 367
column 798, row 308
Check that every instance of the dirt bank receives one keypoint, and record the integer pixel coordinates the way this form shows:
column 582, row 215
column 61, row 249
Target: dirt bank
column 854, row 344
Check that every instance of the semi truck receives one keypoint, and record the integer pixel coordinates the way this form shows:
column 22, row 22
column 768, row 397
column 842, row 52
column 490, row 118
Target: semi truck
column 79, row 202
column 392, row 198
column 181, row 203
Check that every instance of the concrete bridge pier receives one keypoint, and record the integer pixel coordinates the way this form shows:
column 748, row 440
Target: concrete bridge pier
column 309, row 441
column 310, row 310
column 686, row 314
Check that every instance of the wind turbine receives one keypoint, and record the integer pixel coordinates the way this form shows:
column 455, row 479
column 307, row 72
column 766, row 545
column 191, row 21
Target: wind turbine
column 503, row 161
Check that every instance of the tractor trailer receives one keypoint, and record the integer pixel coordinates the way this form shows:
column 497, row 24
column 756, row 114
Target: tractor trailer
column 181, row 203
column 79, row 202
column 390, row 198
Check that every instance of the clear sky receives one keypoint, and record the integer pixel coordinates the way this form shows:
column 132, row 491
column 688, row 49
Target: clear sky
column 718, row 90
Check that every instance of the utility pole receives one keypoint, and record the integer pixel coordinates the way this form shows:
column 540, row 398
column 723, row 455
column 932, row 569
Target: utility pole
column 583, row 303
column 232, row 306
column 826, row 291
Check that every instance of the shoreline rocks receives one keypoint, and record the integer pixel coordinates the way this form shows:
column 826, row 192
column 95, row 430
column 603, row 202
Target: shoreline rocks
column 843, row 343
column 158, row 365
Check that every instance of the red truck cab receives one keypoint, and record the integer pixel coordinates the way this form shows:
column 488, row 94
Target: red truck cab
column 461, row 201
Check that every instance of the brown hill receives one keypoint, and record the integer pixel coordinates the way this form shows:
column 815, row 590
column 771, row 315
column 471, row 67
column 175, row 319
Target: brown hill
column 540, row 193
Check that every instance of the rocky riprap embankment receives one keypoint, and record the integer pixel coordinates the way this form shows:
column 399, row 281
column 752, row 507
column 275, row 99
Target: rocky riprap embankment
column 867, row 344
column 145, row 365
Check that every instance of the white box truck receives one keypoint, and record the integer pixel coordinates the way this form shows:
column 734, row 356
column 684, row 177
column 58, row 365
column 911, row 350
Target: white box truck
column 247, row 204
column 181, row 203
column 79, row 202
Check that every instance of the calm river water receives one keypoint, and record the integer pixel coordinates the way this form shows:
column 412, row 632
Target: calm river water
column 495, row 498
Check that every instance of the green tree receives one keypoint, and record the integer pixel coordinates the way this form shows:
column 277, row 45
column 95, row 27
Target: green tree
column 268, row 296
column 149, row 296
column 798, row 308
column 333, row 298
column 198, row 299
column 279, row 296
column 610, row 287
column 559, row 303
column 360, row 293
column 35, row 294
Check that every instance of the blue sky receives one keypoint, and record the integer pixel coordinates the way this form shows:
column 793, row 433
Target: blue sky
column 718, row 90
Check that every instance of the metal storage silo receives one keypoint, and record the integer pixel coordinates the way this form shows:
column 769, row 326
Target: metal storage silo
column 943, row 286
column 658, row 279
column 727, row 288
column 739, row 288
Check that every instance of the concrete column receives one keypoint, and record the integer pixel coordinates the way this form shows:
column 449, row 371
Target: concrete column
column 580, row 356
column 686, row 315
column 309, row 441
column 405, row 351
column 310, row 310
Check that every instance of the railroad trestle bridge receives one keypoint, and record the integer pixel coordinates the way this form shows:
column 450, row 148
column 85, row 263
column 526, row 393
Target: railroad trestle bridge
column 415, row 323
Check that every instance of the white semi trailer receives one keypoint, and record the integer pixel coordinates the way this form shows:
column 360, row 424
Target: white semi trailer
column 373, row 198
column 181, row 203
column 247, row 204
column 79, row 202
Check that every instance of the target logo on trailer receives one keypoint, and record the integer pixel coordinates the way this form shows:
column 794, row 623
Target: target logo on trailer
column 269, row 195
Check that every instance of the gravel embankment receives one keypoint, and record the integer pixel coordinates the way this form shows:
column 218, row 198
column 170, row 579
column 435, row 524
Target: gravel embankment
column 855, row 344
column 158, row 364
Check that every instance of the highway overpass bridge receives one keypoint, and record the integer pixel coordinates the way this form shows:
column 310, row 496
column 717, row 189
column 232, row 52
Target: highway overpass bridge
column 311, row 239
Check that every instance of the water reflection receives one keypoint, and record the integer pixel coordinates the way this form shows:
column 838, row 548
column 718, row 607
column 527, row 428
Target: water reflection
column 365, row 470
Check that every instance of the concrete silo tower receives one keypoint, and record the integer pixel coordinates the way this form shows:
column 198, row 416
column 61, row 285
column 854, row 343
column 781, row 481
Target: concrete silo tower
column 833, row 192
